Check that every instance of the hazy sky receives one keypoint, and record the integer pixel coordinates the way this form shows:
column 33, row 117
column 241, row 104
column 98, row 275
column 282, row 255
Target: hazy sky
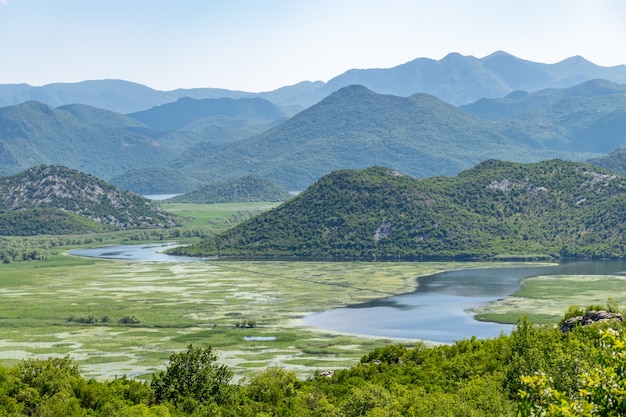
column 265, row 44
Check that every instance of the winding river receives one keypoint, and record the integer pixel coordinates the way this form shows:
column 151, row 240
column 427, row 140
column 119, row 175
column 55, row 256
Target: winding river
column 437, row 311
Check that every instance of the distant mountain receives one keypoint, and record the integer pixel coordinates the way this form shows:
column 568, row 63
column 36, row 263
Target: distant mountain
column 548, row 209
column 245, row 189
column 519, row 102
column 185, row 111
column 154, row 180
column 456, row 79
column 614, row 161
column 57, row 200
column 575, row 124
column 356, row 128
column 459, row 79
column 115, row 95
column 34, row 133
column 100, row 118
column 111, row 145
column 352, row 128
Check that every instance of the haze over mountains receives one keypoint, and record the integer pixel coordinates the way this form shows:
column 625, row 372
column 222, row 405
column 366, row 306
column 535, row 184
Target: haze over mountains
column 182, row 142
column 456, row 79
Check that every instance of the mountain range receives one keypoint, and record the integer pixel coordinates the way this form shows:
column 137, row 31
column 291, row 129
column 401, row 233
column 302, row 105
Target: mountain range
column 188, row 142
column 354, row 127
column 552, row 209
column 456, row 79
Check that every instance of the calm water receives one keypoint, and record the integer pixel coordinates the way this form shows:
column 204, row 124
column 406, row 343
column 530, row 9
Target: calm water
column 150, row 253
column 436, row 311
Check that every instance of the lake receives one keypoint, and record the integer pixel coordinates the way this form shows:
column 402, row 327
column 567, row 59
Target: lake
column 437, row 311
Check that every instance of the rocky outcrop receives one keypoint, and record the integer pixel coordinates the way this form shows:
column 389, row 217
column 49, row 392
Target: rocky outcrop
column 590, row 317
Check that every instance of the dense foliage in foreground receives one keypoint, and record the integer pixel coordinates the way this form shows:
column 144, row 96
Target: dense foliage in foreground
column 537, row 370
column 552, row 208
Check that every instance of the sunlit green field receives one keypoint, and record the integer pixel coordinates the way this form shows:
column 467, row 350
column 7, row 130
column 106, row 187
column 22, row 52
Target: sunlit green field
column 73, row 306
column 545, row 299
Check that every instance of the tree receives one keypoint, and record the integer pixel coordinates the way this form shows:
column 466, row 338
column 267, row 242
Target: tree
column 603, row 391
column 193, row 375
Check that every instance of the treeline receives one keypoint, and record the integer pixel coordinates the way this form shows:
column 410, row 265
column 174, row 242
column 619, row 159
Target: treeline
column 535, row 371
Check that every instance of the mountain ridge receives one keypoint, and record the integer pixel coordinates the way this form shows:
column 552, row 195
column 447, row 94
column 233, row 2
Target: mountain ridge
column 50, row 199
column 450, row 83
column 553, row 209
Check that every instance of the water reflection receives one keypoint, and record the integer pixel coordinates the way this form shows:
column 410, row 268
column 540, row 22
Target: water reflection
column 150, row 253
column 437, row 310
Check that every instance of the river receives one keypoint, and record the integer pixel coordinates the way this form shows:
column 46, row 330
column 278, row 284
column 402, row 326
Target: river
column 437, row 311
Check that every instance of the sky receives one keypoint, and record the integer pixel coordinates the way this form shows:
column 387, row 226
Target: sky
column 261, row 45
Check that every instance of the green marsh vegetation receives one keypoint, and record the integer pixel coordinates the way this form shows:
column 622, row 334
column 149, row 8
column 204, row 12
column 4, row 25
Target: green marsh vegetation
column 81, row 318
column 544, row 299
column 118, row 317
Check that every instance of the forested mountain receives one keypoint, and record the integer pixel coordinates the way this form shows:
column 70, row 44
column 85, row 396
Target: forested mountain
column 58, row 200
column 455, row 78
column 154, row 180
column 105, row 143
column 356, row 128
column 185, row 111
column 552, row 208
column 575, row 124
column 245, row 189
column 614, row 161
column 519, row 101
column 34, row 133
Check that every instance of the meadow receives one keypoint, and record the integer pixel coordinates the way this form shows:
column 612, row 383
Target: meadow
column 119, row 318
column 116, row 318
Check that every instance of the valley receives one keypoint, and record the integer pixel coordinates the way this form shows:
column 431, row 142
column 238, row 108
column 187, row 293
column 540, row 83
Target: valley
column 75, row 306
column 379, row 244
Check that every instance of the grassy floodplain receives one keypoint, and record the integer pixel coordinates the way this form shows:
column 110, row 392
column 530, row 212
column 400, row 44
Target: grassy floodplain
column 545, row 299
column 46, row 308
column 73, row 306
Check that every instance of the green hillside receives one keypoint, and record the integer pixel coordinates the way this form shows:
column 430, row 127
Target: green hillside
column 154, row 180
column 33, row 133
column 245, row 189
column 185, row 111
column 353, row 128
column 575, row 124
column 356, row 128
column 553, row 208
column 58, row 200
column 519, row 102
column 614, row 161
